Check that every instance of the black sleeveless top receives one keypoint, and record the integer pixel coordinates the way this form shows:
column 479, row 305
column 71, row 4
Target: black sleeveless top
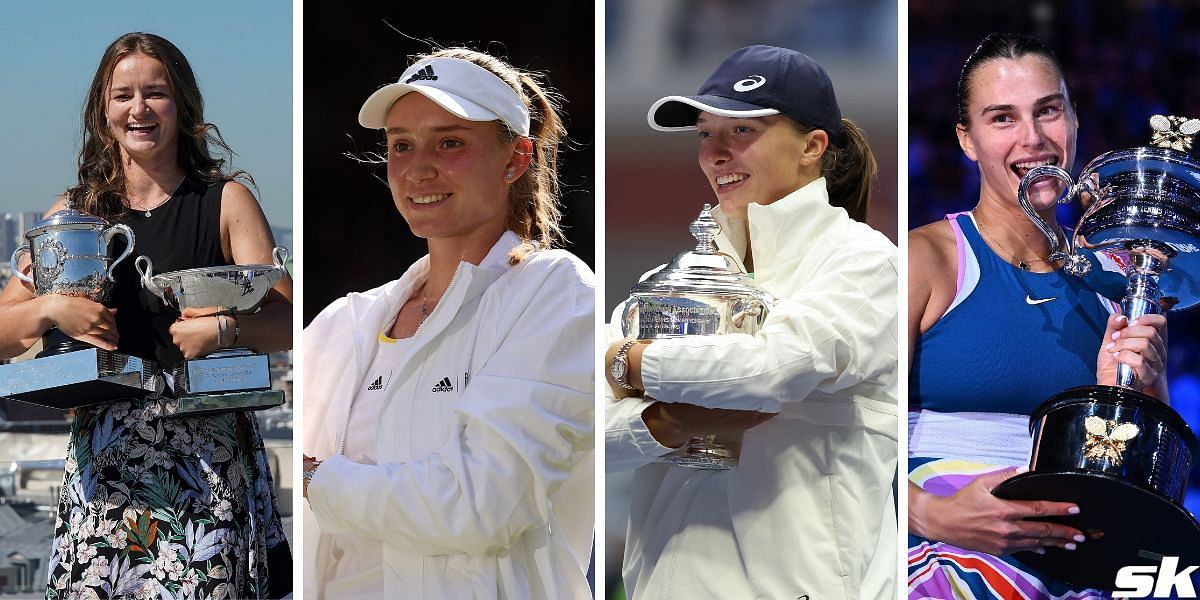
column 182, row 233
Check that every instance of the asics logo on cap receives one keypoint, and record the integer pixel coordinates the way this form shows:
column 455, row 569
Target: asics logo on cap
column 752, row 82
column 425, row 74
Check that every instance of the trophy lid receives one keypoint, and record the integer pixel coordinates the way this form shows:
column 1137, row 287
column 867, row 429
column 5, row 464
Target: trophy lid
column 67, row 218
column 704, row 270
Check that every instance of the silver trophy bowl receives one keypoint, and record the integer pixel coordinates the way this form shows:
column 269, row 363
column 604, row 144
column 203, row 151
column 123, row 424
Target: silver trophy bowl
column 701, row 292
column 233, row 289
column 1144, row 213
column 69, row 251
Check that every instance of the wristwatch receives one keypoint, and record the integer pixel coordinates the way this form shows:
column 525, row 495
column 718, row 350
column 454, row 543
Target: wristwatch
column 619, row 368
column 308, row 475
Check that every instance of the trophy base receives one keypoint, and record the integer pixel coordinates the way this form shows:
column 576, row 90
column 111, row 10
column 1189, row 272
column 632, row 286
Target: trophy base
column 79, row 378
column 55, row 342
column 1125, row 525
column 233, row 370
column 195, row 405
column 719, row 453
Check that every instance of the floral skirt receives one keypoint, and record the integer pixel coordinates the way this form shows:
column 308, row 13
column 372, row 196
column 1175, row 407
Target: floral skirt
column 175, row 507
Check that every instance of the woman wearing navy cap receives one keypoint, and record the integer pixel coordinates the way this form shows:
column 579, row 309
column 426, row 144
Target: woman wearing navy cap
column 449, row 413
column 809, row 509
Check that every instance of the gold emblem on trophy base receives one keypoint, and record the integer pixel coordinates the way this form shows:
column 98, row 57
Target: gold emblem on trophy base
column 1106, row 439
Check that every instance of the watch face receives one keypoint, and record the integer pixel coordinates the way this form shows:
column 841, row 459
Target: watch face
column 617, row 368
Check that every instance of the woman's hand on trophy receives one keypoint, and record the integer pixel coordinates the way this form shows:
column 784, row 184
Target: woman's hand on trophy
column 82, row 319
column 974, row 519
column 195, row 333
column 673, row 423
column 1141, row 344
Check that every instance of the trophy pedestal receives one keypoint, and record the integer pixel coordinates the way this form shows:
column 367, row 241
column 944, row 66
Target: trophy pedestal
column 1124, row 458
column 225, row 381
column 194, row 405
column 707, row 452
column 232, row 370
column 1125, row 525
column 78, row 378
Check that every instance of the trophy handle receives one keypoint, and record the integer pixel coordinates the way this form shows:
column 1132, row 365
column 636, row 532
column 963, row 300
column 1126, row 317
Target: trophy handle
column 12, row 264
column 1034, row 174
column 122, row 229
column 145, row 268
column 629, row 315
column 279, row 255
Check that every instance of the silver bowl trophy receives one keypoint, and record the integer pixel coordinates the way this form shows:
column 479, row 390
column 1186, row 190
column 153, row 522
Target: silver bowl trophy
column 701, row 292
column 1123, row 456
column 229, row 379
column 69, row 252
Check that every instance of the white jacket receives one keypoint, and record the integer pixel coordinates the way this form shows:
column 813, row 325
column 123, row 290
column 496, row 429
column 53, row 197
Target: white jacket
column 482, row 492
column 809, row 510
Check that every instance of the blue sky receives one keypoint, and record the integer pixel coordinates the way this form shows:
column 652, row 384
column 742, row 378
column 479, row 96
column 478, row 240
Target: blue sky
column 241, row 53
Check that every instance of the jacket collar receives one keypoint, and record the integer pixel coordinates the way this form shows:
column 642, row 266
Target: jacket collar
column 371, row 311
column 782, row 232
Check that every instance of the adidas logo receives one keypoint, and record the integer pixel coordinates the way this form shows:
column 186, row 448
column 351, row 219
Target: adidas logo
column 444, row 385
column 377, row 384
column 425, row 74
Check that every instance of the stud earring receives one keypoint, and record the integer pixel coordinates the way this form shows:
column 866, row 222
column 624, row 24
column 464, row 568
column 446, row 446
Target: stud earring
column 508, row 175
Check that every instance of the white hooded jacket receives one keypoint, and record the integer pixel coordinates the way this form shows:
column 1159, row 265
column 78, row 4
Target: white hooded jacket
column 809, row 511
column 482, row 492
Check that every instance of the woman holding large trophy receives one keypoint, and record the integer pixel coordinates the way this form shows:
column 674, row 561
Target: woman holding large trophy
column 807, row 508
column 972, row 390
column 154, row 505
column 449, row 421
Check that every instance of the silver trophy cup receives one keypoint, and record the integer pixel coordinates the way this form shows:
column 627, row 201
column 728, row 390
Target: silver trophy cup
column 1122, row 455
column 69, row 254
column 231, row 378
column 701, row 292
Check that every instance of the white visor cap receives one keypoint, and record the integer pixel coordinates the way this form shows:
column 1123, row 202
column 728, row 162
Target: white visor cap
column 463, row 88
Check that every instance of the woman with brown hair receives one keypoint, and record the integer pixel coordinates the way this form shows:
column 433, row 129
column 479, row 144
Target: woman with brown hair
column 808, row 510
column 448, row 446
column 150, row 505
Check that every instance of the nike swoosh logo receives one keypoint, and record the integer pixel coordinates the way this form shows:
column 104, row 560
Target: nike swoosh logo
column 1032, row 302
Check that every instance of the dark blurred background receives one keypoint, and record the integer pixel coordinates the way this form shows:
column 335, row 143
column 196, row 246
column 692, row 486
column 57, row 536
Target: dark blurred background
column 653, row 187
column 1123, row 60
column 354, row 239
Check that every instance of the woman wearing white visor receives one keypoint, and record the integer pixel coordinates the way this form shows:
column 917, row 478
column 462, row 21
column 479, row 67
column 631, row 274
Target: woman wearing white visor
column 808, row 512
column 448, row 440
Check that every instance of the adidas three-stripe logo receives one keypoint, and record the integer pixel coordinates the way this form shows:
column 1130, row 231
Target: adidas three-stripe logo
column 444, row 385
column 377, row 384
column 425, row 74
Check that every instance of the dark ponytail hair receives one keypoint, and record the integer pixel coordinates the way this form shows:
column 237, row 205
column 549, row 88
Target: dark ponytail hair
column 994, row 46
column 848, row 167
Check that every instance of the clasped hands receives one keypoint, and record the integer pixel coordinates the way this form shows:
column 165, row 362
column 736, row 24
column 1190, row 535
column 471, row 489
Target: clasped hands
column 674, row 423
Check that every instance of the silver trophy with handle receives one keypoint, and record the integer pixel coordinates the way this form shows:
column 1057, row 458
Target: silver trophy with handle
column 230, row 379
column 1124, row 457
column 69, row 255
column 701, row 292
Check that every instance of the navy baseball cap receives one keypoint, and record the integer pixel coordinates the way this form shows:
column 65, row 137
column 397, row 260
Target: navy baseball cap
column 757, row 81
